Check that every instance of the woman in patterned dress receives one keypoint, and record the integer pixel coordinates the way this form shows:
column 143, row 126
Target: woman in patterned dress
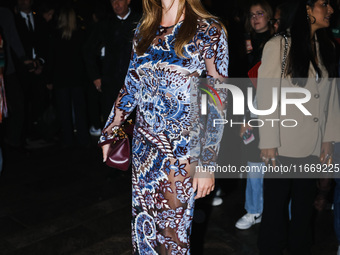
column 175, row 42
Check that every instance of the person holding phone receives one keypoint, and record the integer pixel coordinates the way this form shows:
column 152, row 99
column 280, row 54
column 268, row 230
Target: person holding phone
column 260, row 30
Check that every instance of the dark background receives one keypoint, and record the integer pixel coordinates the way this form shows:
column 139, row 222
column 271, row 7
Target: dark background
column 221, row 8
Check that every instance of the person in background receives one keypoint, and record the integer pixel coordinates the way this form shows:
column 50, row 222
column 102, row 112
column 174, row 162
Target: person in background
column 110, row 39
column 16, row 62
column 336, row 201
column 282, row 21
column 34, row 39
column 3, row 103
column 47, row 11
column 283, row 17
column 310, row 54
column 259, row 31
column 94, row 96
column 336, row 154
column 11, row 49
column 65, row 73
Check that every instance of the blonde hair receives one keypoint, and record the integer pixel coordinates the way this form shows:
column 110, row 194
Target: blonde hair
column 152, row 15
column 67, row 22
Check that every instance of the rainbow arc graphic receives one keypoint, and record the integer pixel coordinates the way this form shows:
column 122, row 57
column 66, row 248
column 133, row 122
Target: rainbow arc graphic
column 204, row 98
column 214, row 91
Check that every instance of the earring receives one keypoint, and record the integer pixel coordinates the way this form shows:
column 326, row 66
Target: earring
column 311, row 22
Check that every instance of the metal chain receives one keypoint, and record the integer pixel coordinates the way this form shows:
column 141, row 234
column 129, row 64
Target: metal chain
column 283, row 65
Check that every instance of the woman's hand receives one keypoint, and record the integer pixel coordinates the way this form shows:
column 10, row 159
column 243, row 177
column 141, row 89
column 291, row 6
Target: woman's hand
column 49, row 86
column 203, row 185
column 98, row 84
column 269, row 154
column 38, row 67
column 105, row 149
column 31, row 65
column 326, row 152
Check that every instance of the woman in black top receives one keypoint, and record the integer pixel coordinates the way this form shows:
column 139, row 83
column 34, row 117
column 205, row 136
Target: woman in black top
column 66, row 72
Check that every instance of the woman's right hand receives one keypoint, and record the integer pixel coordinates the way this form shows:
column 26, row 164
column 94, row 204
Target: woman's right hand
column 105, row 149
column 203, row 185
column 269, row 154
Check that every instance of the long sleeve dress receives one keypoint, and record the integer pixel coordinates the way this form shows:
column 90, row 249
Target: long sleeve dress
column 158, row 84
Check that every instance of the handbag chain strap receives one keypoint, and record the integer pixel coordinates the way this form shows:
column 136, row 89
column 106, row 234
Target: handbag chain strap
column 283, row 65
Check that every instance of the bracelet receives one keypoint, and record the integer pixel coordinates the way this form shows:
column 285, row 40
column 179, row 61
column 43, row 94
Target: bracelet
column 118, row 132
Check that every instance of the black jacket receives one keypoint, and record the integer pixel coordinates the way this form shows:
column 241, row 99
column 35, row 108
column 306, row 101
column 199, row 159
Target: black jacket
column 36, row 39
column 65, row 65
column 116, row 36
column 12, row 43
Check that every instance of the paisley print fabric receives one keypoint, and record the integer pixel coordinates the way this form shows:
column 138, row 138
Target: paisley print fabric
column 158, row 86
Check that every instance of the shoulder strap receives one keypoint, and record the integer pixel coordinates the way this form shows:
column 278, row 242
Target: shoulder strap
column 283, row 64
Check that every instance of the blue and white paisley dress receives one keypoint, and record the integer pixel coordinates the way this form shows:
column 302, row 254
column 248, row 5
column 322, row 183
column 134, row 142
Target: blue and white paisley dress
column 158, row 85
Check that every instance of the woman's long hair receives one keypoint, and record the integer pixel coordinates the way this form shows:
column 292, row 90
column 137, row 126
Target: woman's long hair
column 67, row 22
column 301, row 53
column 152, row 15
column 287, row 14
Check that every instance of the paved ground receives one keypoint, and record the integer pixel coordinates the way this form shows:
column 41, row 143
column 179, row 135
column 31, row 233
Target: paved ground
column 55, row 201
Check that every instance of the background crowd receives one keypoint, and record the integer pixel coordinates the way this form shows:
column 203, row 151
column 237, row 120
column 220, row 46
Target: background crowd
column 70, row 49
column 65, row 61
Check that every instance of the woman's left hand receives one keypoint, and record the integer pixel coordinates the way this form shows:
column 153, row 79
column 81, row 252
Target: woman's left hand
column 326, row 151
column 269, row 155
column 203, row 185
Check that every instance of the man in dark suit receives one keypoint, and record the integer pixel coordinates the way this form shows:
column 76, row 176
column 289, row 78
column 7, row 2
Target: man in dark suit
column 34, row 40
column 15, row 58
column 31, row 31
column 112, row 40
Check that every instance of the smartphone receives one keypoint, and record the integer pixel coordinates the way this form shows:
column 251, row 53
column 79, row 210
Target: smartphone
column 248, row 136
